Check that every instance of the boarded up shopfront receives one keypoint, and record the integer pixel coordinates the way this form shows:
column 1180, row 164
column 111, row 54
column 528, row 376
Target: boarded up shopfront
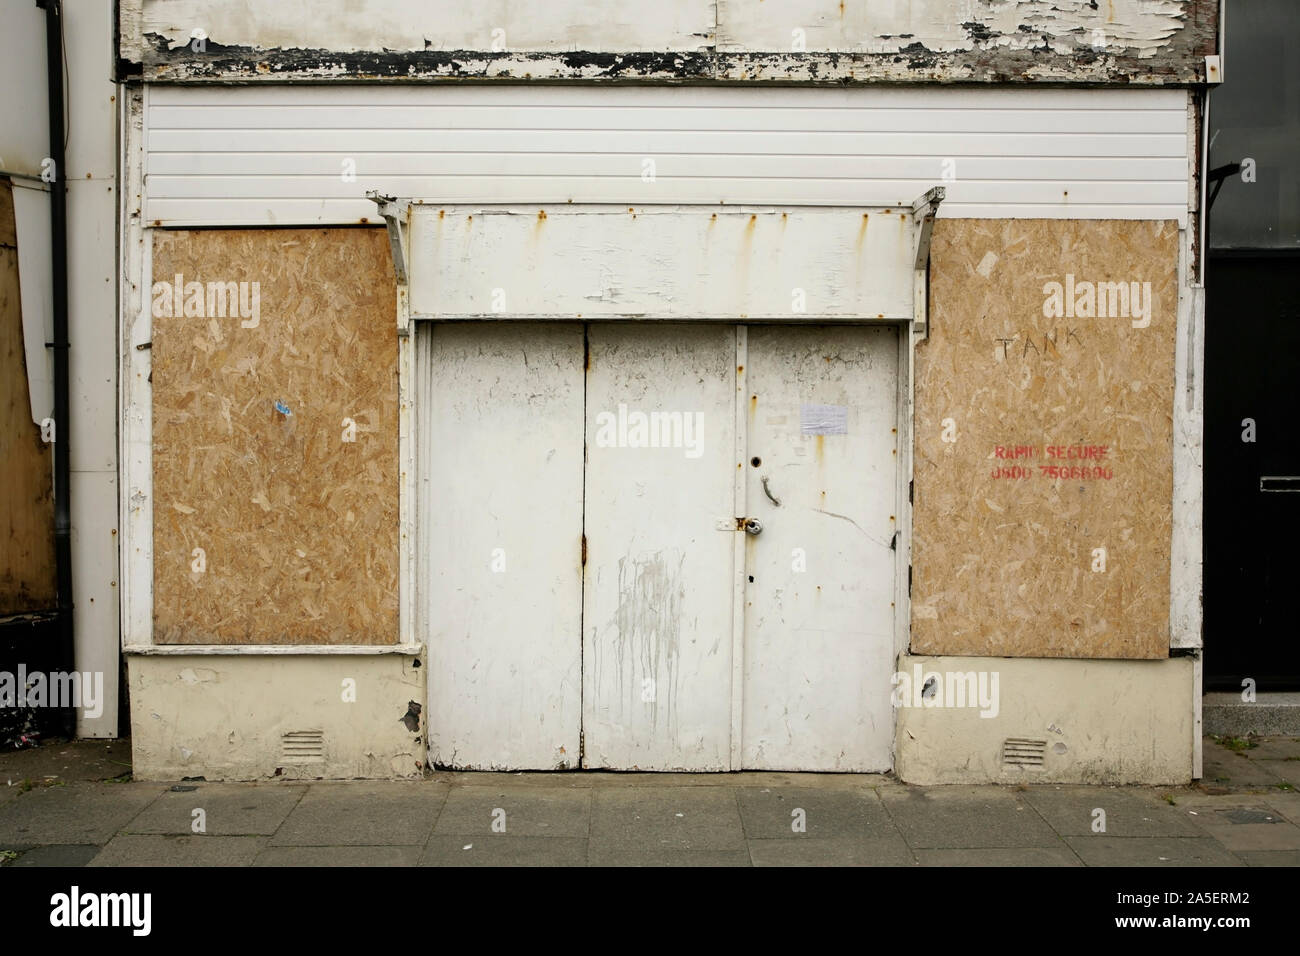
column 666, row 471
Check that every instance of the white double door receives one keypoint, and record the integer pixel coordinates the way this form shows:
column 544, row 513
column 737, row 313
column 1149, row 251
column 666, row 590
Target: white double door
column 591, row 594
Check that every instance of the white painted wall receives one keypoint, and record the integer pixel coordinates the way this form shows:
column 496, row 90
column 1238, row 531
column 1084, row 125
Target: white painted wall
column 1146, row 731
column 661, row 262
column 1138, row 27
column 224, row 716
column 24, row 121
column 436, row 24
column 305, row 155
column 91, row 158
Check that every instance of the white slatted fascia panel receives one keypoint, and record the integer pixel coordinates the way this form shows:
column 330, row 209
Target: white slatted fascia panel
column 278, row 155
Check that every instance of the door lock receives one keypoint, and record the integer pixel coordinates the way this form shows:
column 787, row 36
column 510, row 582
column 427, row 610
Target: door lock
column 753, row 526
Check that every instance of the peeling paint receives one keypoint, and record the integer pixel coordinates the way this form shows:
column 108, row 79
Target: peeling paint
column 1044, row 63
column 412, row 716
column 1131, row 42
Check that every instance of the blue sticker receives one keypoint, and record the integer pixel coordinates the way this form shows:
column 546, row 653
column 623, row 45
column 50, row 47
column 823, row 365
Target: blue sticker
column 282, row 408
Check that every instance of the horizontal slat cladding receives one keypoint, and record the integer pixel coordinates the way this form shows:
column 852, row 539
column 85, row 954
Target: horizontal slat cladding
column 306, row 155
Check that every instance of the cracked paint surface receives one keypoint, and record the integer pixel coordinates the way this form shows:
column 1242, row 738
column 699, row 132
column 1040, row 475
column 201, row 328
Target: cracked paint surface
column 1126, row 41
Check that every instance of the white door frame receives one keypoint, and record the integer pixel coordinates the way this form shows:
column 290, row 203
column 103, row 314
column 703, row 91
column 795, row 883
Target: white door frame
column 916, row 223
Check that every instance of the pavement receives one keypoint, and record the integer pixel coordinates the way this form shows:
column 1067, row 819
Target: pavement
column 72, row 803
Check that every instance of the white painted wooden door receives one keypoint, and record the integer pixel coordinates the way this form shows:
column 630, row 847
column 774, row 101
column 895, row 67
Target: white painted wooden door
column 657, row 625
column 683, row 643
column 822, row 481
column 501, row 496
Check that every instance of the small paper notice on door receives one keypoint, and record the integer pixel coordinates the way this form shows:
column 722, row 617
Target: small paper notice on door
column 824, row 419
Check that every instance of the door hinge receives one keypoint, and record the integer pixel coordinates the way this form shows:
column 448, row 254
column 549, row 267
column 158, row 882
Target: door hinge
column 584, row 550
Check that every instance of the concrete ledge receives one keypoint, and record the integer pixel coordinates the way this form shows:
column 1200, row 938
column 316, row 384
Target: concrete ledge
column 251, row 717
column 1269, row 715
column 1088, row 721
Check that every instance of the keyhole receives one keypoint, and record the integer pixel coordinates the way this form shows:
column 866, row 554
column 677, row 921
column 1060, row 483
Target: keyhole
column 756, row 461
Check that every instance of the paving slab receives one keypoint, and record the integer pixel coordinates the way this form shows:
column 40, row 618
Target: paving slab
column 1275, row 748
column 514, row 780
column 1232, row 769
column 1150, row 851
column 149, row 849
column 997, row 856
column 76, row 813
column 744, row 778
column 499, row 849
column 228, row 809
column 1285, row 770
column 66, row 855
column 72, row 761
column 522, row 811
column 966, row 818
column 338, row 856
column 1070, row 811
column 1286, row 803
column 838, row 851
column 1194, row 802
column 1271, row 857
column 363, row 814
column 772, row 813
column 678, row 818
column 1249, row 828
column 655, row 855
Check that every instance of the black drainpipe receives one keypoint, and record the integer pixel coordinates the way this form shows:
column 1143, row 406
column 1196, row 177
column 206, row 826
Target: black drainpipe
column 59, row 271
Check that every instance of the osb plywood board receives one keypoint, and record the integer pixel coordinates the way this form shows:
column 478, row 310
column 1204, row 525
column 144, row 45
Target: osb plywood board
column 1044, row 442
column 275, row 437
column 27, row 577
